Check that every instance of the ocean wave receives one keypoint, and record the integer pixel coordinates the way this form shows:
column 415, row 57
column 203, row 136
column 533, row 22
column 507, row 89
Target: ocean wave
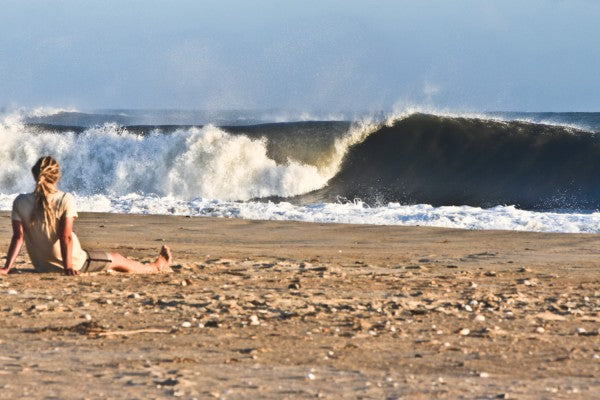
column 187, row 163
column 449, row 160
column 409, row 157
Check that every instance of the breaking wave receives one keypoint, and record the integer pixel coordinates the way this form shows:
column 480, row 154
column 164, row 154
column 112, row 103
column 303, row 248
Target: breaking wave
column 466, row 171
column 443, row 160
column 185, row 162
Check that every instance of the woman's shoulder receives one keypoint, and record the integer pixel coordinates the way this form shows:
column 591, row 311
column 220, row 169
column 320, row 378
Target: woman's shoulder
column 24, row 197
column 59, row 194
column 60, row 197
column 22, row 206
column 67, row 202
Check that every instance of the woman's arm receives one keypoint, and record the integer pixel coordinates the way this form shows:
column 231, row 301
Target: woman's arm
column 15, row 246
column 66, row 245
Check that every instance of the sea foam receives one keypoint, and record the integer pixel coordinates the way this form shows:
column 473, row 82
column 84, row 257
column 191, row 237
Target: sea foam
column 462, row 217
column 191, row 162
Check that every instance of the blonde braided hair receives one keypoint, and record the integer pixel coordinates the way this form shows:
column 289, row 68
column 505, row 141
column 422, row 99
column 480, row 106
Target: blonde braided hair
column 46, row 173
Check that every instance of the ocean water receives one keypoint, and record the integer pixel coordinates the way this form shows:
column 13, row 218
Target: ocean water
column 515, row 171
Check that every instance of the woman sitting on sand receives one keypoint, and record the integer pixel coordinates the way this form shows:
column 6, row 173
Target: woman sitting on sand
column 44, row 220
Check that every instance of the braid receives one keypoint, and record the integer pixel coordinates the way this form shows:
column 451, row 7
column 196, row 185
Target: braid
column 46, row 172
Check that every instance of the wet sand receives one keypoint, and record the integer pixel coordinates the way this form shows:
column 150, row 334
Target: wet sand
column 296, row 310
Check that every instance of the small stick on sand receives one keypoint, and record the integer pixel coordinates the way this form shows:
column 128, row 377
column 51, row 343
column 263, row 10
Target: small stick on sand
column 133, row 332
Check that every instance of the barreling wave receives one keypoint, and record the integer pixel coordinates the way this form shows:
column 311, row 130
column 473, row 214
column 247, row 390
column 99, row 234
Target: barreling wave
column 413, row 158
column 445, row 160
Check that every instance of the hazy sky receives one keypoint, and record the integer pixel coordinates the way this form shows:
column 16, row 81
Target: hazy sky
column 529, row 55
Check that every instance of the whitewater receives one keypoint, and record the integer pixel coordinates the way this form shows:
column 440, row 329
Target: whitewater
column 276, row 170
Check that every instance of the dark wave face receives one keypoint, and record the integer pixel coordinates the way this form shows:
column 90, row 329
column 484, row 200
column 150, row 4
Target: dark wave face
column 460, row 161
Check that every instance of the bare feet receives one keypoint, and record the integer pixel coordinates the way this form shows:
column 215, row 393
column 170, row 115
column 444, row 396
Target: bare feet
column 164, row 260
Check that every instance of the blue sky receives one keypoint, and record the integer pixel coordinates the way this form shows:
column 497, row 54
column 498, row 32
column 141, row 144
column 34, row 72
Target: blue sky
column 534, row 55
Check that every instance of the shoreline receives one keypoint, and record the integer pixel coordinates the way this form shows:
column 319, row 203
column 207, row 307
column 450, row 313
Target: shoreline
column 282, row 309
column 96, row 230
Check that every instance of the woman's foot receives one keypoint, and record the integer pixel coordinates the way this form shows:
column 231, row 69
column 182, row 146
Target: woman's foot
column 164, row 260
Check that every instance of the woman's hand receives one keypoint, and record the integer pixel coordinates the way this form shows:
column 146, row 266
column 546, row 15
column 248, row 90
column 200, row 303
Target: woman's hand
column 71, row 272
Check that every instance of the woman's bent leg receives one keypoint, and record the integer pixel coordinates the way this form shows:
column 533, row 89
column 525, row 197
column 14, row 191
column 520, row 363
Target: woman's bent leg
column 123, row 264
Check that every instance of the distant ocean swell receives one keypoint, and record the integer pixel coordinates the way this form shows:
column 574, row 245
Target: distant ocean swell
column 419, row 169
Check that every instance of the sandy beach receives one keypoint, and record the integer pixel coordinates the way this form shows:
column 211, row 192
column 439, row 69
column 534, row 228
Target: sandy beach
column 260, row 309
